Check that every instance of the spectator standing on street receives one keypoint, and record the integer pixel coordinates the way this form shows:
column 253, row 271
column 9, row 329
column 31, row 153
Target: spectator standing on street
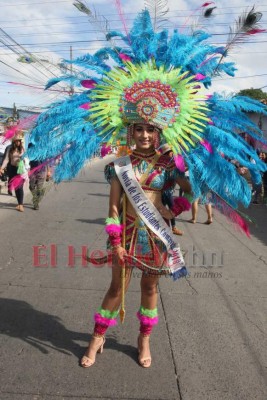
column 167, row 198
column 4, row 146
column 208, row 208
column 11, row 160
column 38, row 177
column 264, row 178
column 4, row 143
column 258, row 190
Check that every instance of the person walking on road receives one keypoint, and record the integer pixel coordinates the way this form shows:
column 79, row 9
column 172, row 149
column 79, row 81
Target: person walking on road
column 167, row 198
column 208, row 208
column 39, row 174
column 11, row 161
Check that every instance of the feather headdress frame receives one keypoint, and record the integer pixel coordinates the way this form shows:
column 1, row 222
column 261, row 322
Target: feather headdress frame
column 158, row 10
column 159, row 77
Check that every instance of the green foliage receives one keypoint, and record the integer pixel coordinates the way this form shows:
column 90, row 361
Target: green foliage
column 256, row 94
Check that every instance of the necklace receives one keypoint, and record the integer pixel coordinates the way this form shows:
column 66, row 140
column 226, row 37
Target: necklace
column 143, row 156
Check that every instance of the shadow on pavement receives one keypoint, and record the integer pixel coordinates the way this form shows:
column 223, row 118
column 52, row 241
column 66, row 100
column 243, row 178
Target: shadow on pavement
column 44, row 331
column 98, row 194
column 258, row 214
column 8, row 205
column 98, row 221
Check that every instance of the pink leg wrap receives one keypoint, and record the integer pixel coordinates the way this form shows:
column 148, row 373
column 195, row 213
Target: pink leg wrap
column 102, row 324
column 145, row 329
column 100, row 330
column 146, row 323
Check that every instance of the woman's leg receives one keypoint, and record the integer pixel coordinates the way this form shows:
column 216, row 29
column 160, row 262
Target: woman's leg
column 19, row 195
column 209, row 212
column 194, row 211
column 106, row 315
column 148, row 316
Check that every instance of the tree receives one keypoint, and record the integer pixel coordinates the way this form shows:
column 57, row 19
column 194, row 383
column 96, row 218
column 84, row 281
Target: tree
column 256, row 94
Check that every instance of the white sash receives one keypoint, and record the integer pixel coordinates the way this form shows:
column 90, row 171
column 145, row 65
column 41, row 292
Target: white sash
column 146, row 210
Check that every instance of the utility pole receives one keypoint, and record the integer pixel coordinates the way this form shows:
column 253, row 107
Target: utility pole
column 71, row 71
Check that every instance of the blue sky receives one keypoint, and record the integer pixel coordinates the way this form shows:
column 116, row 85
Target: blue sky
column 46, row 29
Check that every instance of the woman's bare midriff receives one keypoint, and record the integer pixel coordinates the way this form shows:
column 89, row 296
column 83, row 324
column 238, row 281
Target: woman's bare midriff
column 155, row 198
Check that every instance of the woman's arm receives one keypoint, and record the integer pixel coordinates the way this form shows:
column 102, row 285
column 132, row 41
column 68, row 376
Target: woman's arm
column 5, row 162
column 115, row 198
column 114, row 212
column 184, row 184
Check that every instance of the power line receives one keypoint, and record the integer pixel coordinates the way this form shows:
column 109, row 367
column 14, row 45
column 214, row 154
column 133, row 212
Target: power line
column 242, row 77
column 104, row 40
column 25, row 51
column 95, row 31
column 67, row 1
column 32, row 4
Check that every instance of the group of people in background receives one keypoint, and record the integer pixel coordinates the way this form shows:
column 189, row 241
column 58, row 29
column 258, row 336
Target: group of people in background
column 11, row 153
column 258, row 191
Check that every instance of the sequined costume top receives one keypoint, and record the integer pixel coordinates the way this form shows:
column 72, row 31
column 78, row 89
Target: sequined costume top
column 145, row 250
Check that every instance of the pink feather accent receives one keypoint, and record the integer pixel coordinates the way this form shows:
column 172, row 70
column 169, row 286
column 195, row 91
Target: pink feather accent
column 16, row 182
column 207, row 145
column 180, row 204
column 194, row 11
column 207, row 4
column 147, row 320
column 254, row 31
column 179, row 162
column 105, row 150
column 200, row 77
column 124, row 57
column 24, row 124
column 104, row 321
column 231, row 214
column 88, row 83
column 120, row 12
column 113, row 228
column 86, row 106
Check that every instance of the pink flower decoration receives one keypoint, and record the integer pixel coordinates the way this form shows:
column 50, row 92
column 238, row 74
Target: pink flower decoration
column 179, row 162
column 88, row 83
column 124, row 57
column 86, row 106
column 207, row 146
column 200, row 77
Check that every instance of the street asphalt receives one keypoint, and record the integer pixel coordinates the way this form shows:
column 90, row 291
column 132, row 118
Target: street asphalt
column 210, row 343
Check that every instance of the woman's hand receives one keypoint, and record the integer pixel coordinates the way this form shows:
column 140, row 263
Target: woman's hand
column 119, row 254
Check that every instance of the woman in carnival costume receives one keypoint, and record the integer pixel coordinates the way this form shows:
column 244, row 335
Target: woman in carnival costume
column 156, row 93
column 12, row 162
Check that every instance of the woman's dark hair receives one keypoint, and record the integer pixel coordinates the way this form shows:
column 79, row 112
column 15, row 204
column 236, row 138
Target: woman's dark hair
column 14, row 146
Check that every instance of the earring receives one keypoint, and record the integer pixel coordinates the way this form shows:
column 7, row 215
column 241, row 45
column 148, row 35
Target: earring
column 129, row 135
column 157, row 140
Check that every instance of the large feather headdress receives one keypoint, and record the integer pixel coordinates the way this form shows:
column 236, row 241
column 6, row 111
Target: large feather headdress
column 159, row 77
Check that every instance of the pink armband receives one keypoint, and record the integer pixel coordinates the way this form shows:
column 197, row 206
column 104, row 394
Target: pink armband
column 180, row 204
column 114, row 229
